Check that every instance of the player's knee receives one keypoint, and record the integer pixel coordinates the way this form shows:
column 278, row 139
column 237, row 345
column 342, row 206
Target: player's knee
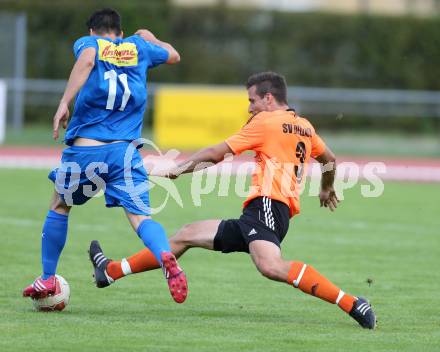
column 184, row 237
column 268, row 269
column 59, row 206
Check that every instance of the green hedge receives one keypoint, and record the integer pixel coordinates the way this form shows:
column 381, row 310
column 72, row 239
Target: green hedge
column 223, row 46
column 220, row 45
column 310, row 49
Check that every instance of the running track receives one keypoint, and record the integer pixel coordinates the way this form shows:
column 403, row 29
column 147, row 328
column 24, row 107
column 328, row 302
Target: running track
column 396, row 169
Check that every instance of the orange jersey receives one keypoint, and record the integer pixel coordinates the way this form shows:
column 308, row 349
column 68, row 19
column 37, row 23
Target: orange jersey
column 283, row 143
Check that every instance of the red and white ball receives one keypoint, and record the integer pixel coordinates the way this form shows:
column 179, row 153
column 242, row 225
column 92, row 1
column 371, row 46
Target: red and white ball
column 58, row 301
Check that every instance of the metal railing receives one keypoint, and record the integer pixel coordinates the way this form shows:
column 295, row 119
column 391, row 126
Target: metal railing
column 306, row 100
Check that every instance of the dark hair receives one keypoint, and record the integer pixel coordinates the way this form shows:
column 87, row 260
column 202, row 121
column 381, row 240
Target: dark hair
column 105, row 21
column 269, row 82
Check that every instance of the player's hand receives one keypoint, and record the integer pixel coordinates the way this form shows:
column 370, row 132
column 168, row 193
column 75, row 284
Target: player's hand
column 146, row 35
column 173, row 174
column 328, row 199
column 61, row 117
column 168, row 173
column 159, row 173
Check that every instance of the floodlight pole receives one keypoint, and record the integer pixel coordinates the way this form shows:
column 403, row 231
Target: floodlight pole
column 3, row 100
column 19, row 71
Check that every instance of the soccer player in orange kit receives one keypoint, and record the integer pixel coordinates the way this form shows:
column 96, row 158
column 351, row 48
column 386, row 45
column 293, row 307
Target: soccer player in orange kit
column 283, row 143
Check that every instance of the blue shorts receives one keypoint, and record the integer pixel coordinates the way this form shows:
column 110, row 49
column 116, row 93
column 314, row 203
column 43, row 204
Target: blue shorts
column 115, row 168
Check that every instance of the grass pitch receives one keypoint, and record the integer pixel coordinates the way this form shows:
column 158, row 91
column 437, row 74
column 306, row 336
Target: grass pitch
column 391, row 144
column 392, row 240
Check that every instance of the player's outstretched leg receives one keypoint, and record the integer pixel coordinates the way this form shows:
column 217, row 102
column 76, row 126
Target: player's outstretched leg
column 173, row 273
column 363, row 313
column 199, row 234
column 143, row 260
column 100, row 263
column 175, row 276
column 153, row 235
column 267, row 257
column 310, row 281
column 107, row 271
column 53, row 239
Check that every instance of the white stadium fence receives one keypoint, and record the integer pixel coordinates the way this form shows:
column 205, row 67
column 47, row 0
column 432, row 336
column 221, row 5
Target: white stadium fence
column 306, row 100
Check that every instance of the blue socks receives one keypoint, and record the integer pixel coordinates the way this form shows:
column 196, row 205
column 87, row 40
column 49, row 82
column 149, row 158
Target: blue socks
column 153, row 235
column 55, row 234
column 52, row 242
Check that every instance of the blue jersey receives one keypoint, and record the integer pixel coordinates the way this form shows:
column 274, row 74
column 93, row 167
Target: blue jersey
column 111, row 104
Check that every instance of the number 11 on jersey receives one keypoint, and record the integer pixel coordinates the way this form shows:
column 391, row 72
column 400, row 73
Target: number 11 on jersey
column 112, row 76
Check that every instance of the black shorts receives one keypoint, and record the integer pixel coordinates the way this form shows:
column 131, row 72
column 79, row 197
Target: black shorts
column 262, row 219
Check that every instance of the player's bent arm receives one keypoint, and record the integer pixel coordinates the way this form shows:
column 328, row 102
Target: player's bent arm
column 328, row 168
column 79, row 75
column 173, row 55
column 202, row 159
column 327, row 195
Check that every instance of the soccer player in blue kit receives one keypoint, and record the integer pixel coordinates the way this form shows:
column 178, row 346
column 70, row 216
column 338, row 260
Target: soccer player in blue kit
column 109, row 81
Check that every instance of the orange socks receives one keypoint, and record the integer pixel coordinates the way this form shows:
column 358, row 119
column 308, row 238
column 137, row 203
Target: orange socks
column 308, row 280
column 300, row 275
column 139, row 262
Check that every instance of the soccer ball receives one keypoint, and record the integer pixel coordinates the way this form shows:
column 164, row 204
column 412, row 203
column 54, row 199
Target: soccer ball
column 57, row 301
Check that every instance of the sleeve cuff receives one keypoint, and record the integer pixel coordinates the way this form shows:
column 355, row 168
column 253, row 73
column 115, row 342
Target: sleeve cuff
column 232, row 147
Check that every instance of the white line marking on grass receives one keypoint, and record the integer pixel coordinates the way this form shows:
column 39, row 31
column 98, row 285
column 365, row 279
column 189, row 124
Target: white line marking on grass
column 374, row 225
column 22, row 222
column 18, row 222
column 399, row 172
